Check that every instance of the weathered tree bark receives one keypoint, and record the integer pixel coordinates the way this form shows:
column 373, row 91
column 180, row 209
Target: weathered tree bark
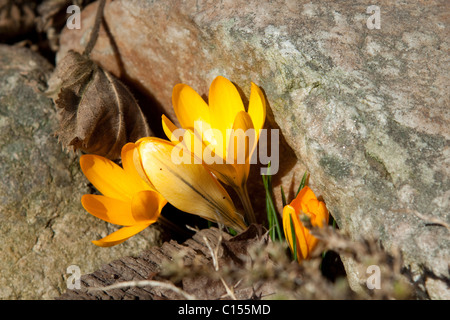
column 149, row 266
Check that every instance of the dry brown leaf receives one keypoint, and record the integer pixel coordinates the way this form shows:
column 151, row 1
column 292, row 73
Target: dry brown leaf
column 98, row 114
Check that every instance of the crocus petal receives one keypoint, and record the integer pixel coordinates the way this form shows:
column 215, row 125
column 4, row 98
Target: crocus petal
column 205, row 133
column 213, row 138
column 225, row 172
column 138, row 165
column 146, row 206
column 311, row 241
column 120, row 235
column 109, row 178
column 188, row 106
column 322, row 215
column 242, row 141
column 299, row 230
column 235, row 169
column 194, row 144
column 209, row 154
column 130, row 168
column 109, row 209
column 189, row 143
column 304, row 196
column 188, row 187
column 301, row 233
column 257, row 107
column 288, row 212
column 224, row 103
column 170, row 129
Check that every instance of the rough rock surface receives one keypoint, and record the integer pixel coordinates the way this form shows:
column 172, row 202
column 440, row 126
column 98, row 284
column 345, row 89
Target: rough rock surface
column 366, row 111
column 43, row 227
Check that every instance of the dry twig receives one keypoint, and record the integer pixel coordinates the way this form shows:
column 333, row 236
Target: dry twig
column 143, row 283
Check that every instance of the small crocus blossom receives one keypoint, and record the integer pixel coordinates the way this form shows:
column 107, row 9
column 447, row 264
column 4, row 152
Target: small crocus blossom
column 305, row 203
column 126, row 199
column 189, row 187
column 225, row 131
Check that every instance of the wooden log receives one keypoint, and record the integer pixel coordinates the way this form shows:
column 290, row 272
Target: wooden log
column 142, row 274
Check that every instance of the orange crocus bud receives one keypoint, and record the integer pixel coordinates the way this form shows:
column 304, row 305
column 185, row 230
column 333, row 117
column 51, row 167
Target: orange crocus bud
column 297, row 235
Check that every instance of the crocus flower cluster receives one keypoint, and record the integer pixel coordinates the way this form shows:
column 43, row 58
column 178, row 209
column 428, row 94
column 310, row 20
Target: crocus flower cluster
column 216, row 140
column 220, row 129
column 133, row 195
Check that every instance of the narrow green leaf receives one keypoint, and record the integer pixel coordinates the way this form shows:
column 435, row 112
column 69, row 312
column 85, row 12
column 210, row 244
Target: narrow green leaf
column 303, row 182
column 283, row 197
column 294, row 238
column 269, row 219
column 272, row 216
column 232, row 231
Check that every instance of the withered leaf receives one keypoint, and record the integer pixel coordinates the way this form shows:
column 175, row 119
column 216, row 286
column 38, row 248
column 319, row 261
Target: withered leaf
column 98, row 114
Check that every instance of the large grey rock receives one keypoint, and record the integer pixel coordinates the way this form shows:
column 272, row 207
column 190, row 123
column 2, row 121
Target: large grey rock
column 366, row 111
column 43, row 227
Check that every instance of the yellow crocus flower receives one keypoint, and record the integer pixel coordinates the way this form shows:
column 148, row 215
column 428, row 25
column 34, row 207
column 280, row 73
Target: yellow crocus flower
column 305, row 203
column 127, row 200
column 220, row 131
column 189, row 187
